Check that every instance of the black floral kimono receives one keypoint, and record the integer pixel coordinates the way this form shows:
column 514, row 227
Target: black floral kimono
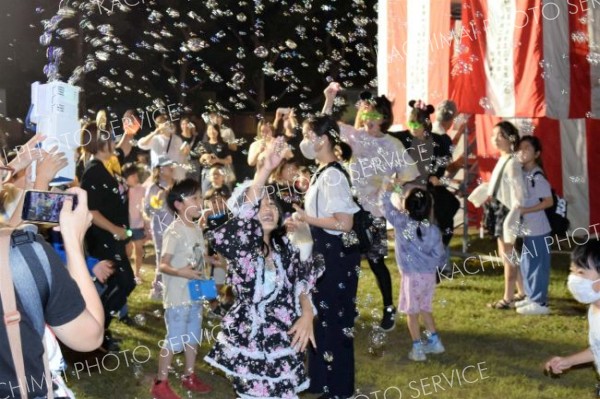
column 254, row 348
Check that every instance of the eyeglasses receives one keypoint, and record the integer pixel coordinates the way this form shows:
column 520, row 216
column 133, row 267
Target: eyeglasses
column 6, row 173
column 414, row 125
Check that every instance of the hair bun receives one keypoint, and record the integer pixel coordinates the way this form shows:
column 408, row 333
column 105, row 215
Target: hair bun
column 412, row 103
column 366, row 95
column 430, row 109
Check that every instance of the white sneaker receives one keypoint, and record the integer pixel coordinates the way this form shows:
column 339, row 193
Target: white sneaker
column 417, row 354
column 524, row 302
column 435, row 348
column 533, row 309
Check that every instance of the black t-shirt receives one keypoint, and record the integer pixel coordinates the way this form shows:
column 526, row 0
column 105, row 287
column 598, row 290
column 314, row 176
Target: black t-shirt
column 220, row 150
column 108, row 195
column 192, row 141
column 63, row 305
column 442, row 153
column 132, row 157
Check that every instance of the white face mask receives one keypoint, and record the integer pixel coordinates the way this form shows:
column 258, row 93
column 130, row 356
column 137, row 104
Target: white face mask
column 307, row 148
column 582, row 289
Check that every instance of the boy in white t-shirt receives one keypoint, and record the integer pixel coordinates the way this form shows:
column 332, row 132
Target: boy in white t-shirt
column 182, row 251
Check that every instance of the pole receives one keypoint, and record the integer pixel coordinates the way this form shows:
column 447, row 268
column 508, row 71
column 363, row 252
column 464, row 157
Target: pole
column 465, row 240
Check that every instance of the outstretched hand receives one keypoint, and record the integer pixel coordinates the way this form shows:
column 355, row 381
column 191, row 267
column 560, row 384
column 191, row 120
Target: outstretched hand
column 332, row 90
column 50, row 163
column 557, row 365
column 274, row 153
column 28, row 153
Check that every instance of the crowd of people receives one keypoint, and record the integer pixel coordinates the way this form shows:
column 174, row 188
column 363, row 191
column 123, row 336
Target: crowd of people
column 287, row 314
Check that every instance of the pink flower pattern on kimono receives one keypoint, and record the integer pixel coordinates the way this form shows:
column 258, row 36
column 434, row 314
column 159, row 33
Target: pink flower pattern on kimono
column 284, row 315
column 255, row 351
column 259, row 389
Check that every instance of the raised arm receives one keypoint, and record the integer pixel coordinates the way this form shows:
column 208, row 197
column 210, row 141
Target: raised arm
column 330, row 93
column 273, row 155
column 85, row 332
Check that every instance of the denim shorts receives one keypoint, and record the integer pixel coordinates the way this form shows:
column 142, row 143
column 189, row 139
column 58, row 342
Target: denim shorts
column 184, row 326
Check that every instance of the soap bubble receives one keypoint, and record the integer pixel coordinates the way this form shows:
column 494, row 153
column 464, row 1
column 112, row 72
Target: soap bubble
column 261, row 52
column 196, row 44
column 140, row 320
column 45, row 39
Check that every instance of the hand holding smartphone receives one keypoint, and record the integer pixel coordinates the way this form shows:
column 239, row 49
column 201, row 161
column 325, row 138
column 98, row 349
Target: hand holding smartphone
column 44, row 206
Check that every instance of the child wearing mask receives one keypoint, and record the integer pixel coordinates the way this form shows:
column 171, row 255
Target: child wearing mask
column 584, row 284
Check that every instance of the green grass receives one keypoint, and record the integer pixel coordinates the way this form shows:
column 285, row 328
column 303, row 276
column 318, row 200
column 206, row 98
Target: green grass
column 510, row 349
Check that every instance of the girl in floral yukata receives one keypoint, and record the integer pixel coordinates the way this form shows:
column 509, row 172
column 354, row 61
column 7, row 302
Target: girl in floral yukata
column 269, row 326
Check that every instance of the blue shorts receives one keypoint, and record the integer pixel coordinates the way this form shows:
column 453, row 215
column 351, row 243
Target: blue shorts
column 184, row 326
column 137, row 234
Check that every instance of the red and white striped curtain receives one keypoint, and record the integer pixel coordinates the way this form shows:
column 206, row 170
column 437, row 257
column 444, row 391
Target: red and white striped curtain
column 413, row 38
column 536, row 62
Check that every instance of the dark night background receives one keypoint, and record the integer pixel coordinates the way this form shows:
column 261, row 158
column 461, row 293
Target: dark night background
column 338, row 42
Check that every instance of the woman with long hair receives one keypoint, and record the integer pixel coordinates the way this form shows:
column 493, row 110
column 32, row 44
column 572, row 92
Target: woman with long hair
column 215, row 151
column 506, row 192
column 270, row 324
column 265, row 134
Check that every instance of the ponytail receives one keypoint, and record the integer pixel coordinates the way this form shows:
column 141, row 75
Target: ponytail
column 345, row 152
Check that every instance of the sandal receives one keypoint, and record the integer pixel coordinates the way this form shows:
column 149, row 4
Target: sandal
column 501, row 305
column 519, row 298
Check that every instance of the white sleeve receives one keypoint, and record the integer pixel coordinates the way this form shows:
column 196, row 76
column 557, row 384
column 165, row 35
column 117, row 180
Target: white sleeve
column 228, row 135
column 336, row 194
column 349, row 134
column 517, row 185
column 149, row 146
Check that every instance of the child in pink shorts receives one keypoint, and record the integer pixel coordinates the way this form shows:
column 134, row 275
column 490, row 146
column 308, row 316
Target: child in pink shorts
column 419, row 250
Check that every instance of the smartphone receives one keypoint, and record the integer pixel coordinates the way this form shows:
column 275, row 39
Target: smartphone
column 44, row 206
column 284, row 111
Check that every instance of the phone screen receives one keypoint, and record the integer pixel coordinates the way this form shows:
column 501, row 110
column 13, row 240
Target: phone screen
column 44, row 206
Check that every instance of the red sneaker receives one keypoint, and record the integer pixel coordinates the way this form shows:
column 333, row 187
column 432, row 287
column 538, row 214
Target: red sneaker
column 162, row 390
column 193, row 383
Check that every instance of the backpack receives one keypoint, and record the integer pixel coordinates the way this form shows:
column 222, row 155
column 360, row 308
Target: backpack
column 557, row 213
column 363, row 228
column 33, row 291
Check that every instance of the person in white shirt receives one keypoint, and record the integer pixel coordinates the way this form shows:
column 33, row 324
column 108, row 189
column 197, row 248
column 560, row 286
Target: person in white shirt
column 506, row 193
column 376, row 156
column 329, row 210
column 164, row 141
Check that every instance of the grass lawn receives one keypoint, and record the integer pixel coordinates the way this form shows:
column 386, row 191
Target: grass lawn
column 489, row 353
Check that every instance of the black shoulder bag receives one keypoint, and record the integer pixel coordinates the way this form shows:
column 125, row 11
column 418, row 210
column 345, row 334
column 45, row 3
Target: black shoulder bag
column 362, row 232
column 489, row 210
